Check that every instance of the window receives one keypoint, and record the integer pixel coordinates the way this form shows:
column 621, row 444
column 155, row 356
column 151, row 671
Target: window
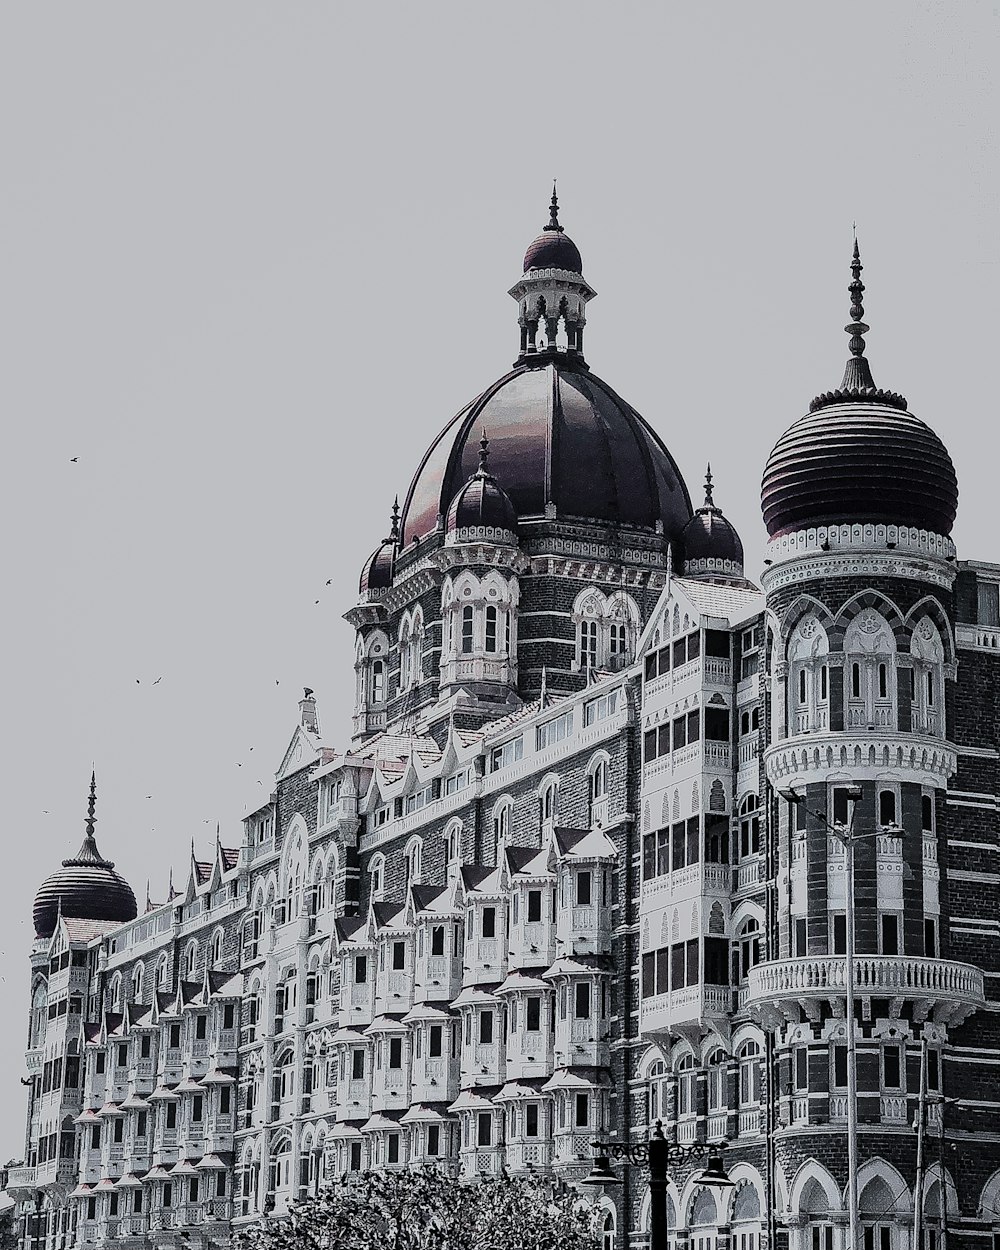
column 716, row 1067
column 433, row 1140
column 357, row 1064
column 892, row 1067
column 398, row 956
column 486, row 1027
column 988, row 603
column 749, row 1059
column 435, row 1041
column 509, row 753
column 376, row 691
column 582, row 1001
column 491, row 629
column 839, row 920
column 686, row 1084
column 533, row 1013
column 582, row 1110
column 749, row 827
column 840, row 1067
column 531, row 1120
column 749, row 651
column 484, row 1129
column 489, row 922
column 600, row 708
column 553, row 731
column 588, row 644
column 801, row 1069
column 583, row 881
column 886, row 807
column 392, row 1148
column 468, row 616
column 437, row 939
column 534, row 906
column 889, row 933
column 930, row 937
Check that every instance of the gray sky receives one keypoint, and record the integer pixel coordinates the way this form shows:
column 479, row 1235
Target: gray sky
column 255, row 255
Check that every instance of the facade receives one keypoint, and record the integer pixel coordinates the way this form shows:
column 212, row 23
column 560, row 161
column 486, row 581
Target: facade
column 551, row 890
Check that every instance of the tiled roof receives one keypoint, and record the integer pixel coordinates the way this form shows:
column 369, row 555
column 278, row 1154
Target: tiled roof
column 714, row 599
column 87, row 930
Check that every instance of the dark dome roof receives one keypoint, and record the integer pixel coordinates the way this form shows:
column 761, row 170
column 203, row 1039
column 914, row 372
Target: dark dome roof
column 482, row 503
column 710, row 542
column 859, row 461
column 378, row 569
column 553, row 249
column 377, row 572
column 86, row 888
column 558, row 436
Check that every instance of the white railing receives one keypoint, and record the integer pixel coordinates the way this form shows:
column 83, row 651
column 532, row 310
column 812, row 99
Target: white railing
column 749, row 750
column 750, row 1122
column 687, row 1131
column 800, row 1110
column 748, row 874
column 718, row 670
column 838, row 1106
column 893, row 1108
column 881, row 974
column 983, row 637
column 717, row 1124
column 717, row 754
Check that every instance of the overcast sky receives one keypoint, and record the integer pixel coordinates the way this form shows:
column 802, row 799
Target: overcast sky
column 254, row 256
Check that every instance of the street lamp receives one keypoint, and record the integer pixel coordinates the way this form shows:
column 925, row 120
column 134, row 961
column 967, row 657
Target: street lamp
column 847, row 837
column 658, row 1155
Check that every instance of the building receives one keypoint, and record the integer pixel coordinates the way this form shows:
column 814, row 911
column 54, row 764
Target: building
column 552, row 890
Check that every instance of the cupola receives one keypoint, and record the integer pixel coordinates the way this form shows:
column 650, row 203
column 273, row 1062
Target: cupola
column 710, row 543
column 858, row 456
column 552, row 294
column 378, row 569
column 482, row 510
column 86, row 887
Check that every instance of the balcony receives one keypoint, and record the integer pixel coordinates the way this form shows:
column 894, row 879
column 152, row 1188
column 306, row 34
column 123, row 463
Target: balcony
column 778, row 990
column 662, row 1013
column 864, row 753
column 22, row 1179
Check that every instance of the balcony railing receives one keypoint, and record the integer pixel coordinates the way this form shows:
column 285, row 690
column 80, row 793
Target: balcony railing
column 958, row 986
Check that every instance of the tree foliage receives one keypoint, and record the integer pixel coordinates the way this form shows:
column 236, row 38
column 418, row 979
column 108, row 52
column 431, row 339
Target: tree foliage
column 426, row 1209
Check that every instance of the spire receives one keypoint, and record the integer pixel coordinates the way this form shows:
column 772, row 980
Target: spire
column 553, row 222
column 394, row 522
column 709, row 501
column 857, row 373
column 88, row 852
column 484, row 455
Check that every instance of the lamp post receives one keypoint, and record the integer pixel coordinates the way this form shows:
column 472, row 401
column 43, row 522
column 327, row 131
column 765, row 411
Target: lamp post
column 658, row 1155
column 847, row 837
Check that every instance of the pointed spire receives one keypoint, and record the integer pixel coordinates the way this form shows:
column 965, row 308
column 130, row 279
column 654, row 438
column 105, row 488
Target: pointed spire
column 149, row 901
column 709, row 501
column 171, row 892
column 553, row 222
column 484, row 454
column 88, row 852
column 543, row 697
column 857, row 373
column 394, row 522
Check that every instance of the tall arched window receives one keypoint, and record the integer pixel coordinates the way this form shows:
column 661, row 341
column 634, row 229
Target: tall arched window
column 115, row 994
column 216, row 952
column 746, row 952
column 137, row 975
column 501, row 827
column 376, row 685
column 607, row 629
column 468, row 630
column 453, row 846
column 162, row 972
column 716, row 1065
column 870, row 672
column 927, row 679
column 808, row 677
column 657, row 1102
column 548, row 802
column 749, row 827
column 190, row 960
column 412, row 860
column 491, row 630
column 597, row 785
column 748, row 1056
column 376, row 876
column 687, row 1077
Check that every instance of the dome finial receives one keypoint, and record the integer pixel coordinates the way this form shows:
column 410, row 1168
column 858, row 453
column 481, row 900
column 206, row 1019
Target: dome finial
column 709, row 501
column 484, row 454
column 553, row 222
column 394, row 521
column 857, row 373
column 92, row 804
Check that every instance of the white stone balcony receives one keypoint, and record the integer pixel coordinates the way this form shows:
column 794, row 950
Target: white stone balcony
column 20, row 1180
column 662, row 1013
column 948, row 990
column 865, row 754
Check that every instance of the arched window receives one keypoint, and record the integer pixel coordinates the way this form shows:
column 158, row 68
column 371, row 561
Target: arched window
column 115, row 993
column 608, row 1231
column 748, row 1056
column 687, row 1076
column 870, row 672
column 376, row 876
column 39, row 1015
column 747, row 948
column 411, row 859
column 716, row 1065
column 162, row 972
column 370, row 666
column 137, row 975
column 216, row 952
column 190, row 960
column 657, row 1104
column 599, row 781
column 453, row 846
column 501, row 827
column 749, row 827
column 927, row 678
column 491, row 629
column 468, row 629
column 376, row 688
column 808, row 677
column 548, row 802
column 607, row 629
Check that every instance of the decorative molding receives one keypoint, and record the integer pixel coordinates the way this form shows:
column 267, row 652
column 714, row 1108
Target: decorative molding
column 814, row 757
column 859, row 550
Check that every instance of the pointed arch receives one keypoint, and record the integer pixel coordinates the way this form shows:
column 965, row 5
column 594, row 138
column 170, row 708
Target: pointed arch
column 882, row 1189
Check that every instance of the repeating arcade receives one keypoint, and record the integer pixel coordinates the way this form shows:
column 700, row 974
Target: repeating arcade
column 553, row 889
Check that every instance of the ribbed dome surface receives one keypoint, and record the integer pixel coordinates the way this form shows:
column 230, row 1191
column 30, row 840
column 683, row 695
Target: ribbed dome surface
column 377, row 571
column 553, row 249
column 86, row 888
column 859, row 462
column 558, row 435
column 481, row 504
column 709, row 536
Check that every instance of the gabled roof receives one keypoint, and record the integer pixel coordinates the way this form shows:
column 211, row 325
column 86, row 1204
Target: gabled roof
column 86, row 930
column 531, row 862
column 350, row 929
column 589, row 844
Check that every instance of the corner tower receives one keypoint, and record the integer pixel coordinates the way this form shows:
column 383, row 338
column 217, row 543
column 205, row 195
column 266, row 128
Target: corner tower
column 859, row 498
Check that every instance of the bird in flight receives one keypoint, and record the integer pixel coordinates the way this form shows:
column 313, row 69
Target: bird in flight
column 329, row 581
column 76, row 459
column 239, row 765
column 157, row 682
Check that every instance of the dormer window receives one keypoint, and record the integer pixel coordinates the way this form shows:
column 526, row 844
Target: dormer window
column 607, row 629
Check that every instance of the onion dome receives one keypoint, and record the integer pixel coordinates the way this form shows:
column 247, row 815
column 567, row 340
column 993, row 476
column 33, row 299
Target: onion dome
column 859, row 455
column 482, row 509
column 553, row 249
column 377, row 572
column 711, row 544
column 86, row 888
column 564, row 444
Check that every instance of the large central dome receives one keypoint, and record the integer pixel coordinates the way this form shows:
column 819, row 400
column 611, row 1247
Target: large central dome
column 560, row 439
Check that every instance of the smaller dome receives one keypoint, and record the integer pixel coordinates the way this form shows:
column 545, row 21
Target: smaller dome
column 553, row 249
column 711, row 544
column 482, row 509
column 85, row 888
column 378, row 568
